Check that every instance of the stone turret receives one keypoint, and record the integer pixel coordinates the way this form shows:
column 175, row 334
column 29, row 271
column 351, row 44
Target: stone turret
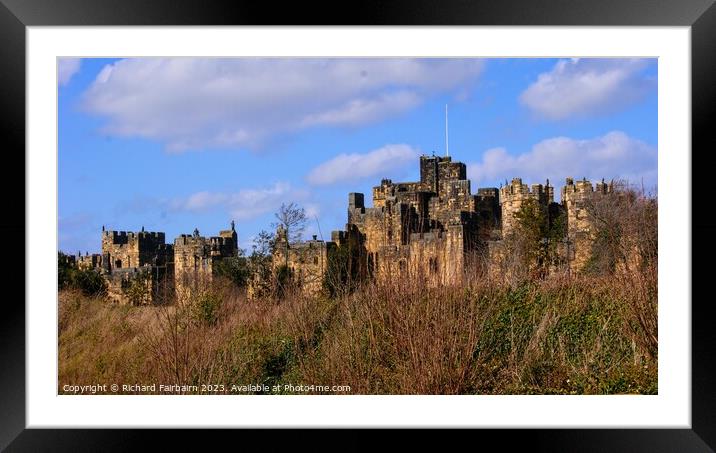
column 576, row 197
column 514, row 194
column 196, row 256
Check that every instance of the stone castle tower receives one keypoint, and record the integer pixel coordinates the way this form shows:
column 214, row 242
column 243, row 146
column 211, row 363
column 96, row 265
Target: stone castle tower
column 425, row 227
column 122, row 249
column 580, row 226
column 131, row 256
column 128, row 256
column 195, row 256
column 513, row 195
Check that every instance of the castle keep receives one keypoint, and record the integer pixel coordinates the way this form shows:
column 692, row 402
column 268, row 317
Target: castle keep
column 436, row 227
column 424, row 227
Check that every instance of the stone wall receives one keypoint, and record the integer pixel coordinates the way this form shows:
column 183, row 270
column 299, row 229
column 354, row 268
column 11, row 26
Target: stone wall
column 128, row 256
column 308, row 260
column 427, row 227
column 195, row 256
column 576, row 197
column 134, row 249
column 434, row 227
column 486, row 205
column 513, row 196
column 88, row 261
column 142, row 285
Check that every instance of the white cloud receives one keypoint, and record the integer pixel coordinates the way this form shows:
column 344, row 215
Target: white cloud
column 584, row 87
column 361, row 111
column 353, row 167
column 245, row 204
column 66, row 68
column 614, row 155
column 194, row 103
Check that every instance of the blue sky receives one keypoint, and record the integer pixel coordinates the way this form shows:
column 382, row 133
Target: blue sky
column 183, row 143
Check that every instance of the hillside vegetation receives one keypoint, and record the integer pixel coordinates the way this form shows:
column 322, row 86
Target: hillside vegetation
column 593, row 332
column 587, row 334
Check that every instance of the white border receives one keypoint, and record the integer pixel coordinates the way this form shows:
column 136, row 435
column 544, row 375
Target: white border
column 671, row 408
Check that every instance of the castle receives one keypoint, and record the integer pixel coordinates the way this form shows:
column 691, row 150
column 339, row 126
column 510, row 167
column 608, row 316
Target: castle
column 195, row 256
column 435, row 227
column 144, row 258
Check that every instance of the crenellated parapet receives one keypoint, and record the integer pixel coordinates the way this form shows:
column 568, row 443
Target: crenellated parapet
column 195, row 256
column 576, row 199
column 515, row 194
column 127, row 249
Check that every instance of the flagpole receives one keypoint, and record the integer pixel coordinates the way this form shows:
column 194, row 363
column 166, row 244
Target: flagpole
column 447, row 143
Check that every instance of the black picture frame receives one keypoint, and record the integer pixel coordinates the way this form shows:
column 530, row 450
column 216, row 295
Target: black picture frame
column 16, row 15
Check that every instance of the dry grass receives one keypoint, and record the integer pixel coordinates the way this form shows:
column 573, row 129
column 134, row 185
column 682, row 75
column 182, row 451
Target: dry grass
column 564, row 336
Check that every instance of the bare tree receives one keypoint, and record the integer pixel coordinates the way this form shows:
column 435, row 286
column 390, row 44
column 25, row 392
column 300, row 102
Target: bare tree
column 292, row 219
column 626, row 229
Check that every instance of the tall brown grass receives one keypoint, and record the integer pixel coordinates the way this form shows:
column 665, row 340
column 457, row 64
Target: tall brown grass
column 561, row 335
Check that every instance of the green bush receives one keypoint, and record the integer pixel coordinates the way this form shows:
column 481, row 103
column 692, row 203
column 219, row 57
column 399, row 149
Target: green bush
column 234, row 269
column 89, row 281
column 136, row 289
column 206, row 308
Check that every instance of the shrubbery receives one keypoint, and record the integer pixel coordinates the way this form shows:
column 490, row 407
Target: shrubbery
column 205, row 308
column 566, row 336
column 69, row 276
column 234, row 269
column 137, row 288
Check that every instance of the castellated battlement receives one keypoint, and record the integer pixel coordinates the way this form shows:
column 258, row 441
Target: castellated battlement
column 579, row 192
column 514, row 194
column 128, row 255
column 435, row 220
column 576, row 198
column 516, row 190
column 585, row 187
column 122, row 237
column 307, row 260
column 339, row 237
column 128, row 249
column 189, row 240
column 196, row 256
column 437, row 172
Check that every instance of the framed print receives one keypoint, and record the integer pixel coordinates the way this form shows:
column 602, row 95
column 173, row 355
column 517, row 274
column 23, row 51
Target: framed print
column 442, row 218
